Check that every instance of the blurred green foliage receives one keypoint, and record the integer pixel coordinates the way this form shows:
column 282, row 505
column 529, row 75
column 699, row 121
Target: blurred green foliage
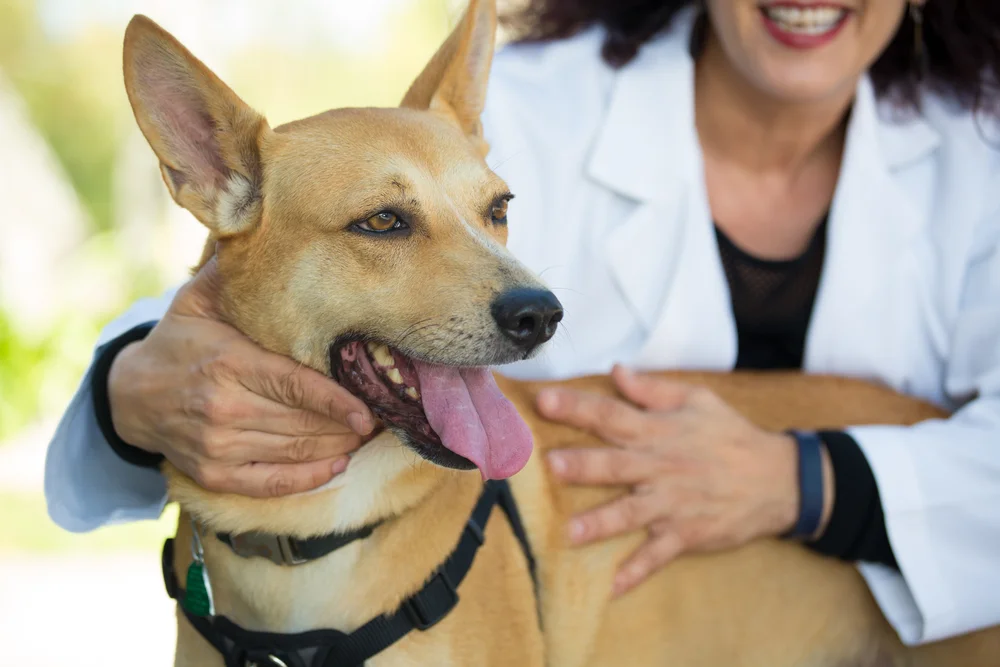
column 38, row 373
column 73, row 96
column 21, row 365
column 65, row 87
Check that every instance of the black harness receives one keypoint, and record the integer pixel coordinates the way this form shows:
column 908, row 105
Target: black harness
column 332, row 648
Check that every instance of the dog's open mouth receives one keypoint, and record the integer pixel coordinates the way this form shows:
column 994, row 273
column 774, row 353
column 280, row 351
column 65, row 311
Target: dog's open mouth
column 454, row 416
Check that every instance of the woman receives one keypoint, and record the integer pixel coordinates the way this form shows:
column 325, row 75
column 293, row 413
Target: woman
column 734, row 184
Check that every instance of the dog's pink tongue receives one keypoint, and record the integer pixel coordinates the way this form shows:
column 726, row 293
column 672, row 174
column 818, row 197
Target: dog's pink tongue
column 473, row 419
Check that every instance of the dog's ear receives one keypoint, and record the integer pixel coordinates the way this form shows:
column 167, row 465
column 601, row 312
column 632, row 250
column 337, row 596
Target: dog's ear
column 206, row 137
column 454, row 81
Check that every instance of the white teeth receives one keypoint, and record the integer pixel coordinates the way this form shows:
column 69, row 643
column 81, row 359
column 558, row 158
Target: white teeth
column 381, row 354
column 383, row 357
column 805, row 20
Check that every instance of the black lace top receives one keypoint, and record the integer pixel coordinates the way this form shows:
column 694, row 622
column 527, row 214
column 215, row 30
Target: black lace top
column 772, row 303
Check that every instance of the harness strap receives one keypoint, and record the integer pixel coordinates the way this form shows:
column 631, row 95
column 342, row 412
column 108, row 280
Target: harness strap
column 505, row 498
column 332, row 648
column 286, row 550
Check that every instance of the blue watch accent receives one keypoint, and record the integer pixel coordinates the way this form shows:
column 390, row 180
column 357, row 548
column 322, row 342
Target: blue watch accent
column 810, row 448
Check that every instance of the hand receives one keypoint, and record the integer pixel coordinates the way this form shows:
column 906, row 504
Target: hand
column 702, row 477
column 233, row 416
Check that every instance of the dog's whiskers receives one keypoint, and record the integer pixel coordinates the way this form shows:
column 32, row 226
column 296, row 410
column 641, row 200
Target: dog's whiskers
column 567, row 289
column 416, row 327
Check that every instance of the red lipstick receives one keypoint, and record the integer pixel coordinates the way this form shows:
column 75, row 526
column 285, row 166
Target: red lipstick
column 801, row 25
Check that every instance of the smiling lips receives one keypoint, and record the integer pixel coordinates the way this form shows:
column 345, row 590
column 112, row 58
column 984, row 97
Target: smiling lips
column 803, row 26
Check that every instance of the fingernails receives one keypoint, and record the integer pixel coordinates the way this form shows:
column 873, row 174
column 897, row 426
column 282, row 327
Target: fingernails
column 548, row 401
column 620, row 585
column 623, row 580
column 340, row 465
column 558, row 463
column 577, row 531
column 359, row 423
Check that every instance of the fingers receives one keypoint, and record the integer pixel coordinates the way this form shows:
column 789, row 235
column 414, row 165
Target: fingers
column 608, row 418
column 246, row 447
column 624, row 515
column 603, row 465
column 284, row 381
column 247, row 411
column 651, row 392
column 270, row 480
column 655, row 553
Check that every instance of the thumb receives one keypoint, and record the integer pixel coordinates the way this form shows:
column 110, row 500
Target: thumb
column 199, row 297
column 649, row 391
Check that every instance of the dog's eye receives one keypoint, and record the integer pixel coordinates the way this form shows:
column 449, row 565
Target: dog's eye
column 383, row 222
column 499, row 212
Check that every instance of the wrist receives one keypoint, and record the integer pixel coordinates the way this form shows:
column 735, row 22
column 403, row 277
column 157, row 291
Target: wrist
column 123, row 384
column 786, row 504
column 124, row 389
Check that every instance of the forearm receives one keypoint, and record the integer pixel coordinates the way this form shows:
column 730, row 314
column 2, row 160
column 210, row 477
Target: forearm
column 87, row 484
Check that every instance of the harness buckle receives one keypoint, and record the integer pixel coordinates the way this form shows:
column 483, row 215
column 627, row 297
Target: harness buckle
column 279, row 549
column 433, row 602
column 289, row 551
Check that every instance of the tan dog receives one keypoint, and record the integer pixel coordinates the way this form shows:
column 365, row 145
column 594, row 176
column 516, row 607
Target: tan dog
column 368, row 244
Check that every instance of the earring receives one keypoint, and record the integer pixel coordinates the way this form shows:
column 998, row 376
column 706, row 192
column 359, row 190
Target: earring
column 919, row 57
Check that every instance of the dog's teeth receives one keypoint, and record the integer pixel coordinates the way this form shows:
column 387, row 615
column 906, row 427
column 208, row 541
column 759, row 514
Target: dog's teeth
column 394, row 375
column 413, row 393
column 381, row 354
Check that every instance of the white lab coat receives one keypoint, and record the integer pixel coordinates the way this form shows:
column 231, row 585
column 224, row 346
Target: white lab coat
column 611, row 210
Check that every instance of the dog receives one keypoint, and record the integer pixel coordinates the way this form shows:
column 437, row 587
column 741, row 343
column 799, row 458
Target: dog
column 369, row 244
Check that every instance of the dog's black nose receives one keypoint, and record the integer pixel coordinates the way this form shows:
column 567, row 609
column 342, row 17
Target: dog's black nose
column 528, row 317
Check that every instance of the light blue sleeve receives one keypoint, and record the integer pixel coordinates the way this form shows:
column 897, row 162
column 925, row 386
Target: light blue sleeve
column 86, row 484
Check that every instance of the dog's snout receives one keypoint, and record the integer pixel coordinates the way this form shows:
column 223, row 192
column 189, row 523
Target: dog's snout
column 528, row 317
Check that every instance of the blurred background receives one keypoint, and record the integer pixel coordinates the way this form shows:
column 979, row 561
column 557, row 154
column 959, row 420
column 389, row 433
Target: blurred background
column 86, row 227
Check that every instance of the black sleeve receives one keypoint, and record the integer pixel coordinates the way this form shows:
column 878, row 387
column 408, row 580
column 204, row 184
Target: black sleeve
column 102, row 406
column 857, row 526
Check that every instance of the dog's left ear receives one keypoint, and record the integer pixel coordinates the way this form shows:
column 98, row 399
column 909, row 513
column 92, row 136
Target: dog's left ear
column 454, row 82
column 207, row 139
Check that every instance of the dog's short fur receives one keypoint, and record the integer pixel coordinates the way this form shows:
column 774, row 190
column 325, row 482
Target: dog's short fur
column 296, row 277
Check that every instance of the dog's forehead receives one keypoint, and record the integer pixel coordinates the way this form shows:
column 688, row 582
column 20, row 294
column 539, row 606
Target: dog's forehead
column 360, row 137
column 355, row 156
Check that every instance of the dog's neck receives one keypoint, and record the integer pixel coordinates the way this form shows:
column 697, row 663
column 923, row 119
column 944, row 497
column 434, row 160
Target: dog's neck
column 384, row 481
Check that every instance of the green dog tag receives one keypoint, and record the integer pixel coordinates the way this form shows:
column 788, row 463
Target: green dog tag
column 197, row 598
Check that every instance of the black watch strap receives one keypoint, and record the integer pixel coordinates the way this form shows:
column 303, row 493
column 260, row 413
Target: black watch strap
column 105, row 356
column 810, row 470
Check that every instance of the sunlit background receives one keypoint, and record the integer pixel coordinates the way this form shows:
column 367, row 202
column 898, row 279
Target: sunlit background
column 86, row 227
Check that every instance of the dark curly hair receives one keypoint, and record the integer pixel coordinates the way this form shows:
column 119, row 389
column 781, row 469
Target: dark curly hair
column 961, row 43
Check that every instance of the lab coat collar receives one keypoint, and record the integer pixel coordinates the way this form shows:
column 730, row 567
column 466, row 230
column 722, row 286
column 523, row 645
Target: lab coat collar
column 873, row 223
column 649, row 137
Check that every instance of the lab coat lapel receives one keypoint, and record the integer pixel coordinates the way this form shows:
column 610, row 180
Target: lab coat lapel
column 873, row 223
column 662, row 256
